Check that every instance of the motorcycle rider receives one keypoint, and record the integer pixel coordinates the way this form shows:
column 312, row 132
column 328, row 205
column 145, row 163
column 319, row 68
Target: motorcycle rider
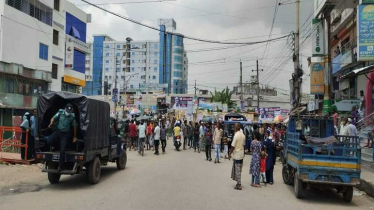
column 177, row 135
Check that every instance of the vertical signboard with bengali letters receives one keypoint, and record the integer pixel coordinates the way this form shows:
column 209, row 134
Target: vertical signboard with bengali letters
column 317, row 38
column 69, row 55
column 365, row 32
column 317, row 78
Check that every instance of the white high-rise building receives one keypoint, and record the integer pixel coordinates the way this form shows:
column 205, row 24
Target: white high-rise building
column 132, row 65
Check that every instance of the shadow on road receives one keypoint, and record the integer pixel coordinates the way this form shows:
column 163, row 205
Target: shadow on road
column 79, row 181
column 328, row 196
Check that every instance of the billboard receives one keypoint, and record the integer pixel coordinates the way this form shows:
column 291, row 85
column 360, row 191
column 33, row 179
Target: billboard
column 317, row 38
column 317, row 78
column 365, row 33
column 268, row 113
column 129, row 99
column 181, row 103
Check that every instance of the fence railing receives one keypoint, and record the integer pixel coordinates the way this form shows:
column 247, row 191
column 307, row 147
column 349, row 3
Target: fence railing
column 14, row 143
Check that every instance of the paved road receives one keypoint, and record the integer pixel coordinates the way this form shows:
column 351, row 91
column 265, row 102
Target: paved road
column 176, row 180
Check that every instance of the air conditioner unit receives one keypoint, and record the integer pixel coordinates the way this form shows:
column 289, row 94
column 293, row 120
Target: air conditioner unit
column 335, row 16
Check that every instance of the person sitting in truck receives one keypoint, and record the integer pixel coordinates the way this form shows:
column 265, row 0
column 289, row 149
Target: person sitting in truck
column 65, row 120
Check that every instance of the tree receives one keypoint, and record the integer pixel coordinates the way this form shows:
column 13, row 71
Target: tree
column 224, row 96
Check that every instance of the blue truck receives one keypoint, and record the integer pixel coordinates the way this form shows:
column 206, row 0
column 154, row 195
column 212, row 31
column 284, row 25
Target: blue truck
column 315, row 157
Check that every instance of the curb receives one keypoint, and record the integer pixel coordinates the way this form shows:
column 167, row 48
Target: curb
column 367, row 187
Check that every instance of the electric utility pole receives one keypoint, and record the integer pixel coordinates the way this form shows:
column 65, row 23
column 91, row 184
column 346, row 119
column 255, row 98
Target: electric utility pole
column 241, row 87
column 258, row 86
column 296, row 77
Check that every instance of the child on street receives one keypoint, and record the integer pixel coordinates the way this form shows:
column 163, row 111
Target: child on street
column 263, row 167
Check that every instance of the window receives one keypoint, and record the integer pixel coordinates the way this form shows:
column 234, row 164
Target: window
column 118, row 54
column 144, row 61
column 178, row 66
column 57, row 5
column 177, row 74
column 144, row 45
column 132, row 69
column 110, row 77
column 43, row 51
column 144, row 68
column 9, row 85
column 107, row 46
column 107, row 54
column 132, row 86
column 156, row 54
column 54, row 71
column 106, row 77
column 155, row 68
column 132, row 61
column 133, row 53
column 155, row 61
column 118, row 69
column 106, row 61
column 122, row 77
column 155, row 46
column 118, row 46
column 106, row 69
column 142, row 77
column 40, row 12
column 178, row 58
column 153, row 77
column 55, row 37
column 178, row 50
column 132, row 46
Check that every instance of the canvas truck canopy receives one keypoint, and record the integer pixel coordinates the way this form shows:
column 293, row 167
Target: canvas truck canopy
column 93, row 116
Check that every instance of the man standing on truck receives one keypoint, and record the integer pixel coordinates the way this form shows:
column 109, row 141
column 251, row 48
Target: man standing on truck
column 65, row 121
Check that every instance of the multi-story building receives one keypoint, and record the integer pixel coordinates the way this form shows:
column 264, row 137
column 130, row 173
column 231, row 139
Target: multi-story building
column 173, row 58
column 33, row 40
column 129, row 66
column 351, row 48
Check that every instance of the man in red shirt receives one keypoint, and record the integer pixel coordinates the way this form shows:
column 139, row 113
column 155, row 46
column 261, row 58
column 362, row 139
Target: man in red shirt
column 132, row 134
column 335, row 117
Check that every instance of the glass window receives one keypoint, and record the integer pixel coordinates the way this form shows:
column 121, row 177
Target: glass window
column 55, row 37
column 118, row 54
column 155, row 61
column 106, row 69
column 156, row 54
column 9, row 85
column 155, row 68
column 106, row 61
column 54, row 70
column 107, row 46
column 118, row 69
column 155, row 46
column 118, row 46
column 132, row 61
column 154, row 77
column 43, row 51
column 132, row 69
column 133, row 53
column 131, row 86
column 107, row 54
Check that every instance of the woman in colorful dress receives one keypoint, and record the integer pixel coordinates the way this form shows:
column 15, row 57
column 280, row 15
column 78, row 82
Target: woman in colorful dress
column 254, row 168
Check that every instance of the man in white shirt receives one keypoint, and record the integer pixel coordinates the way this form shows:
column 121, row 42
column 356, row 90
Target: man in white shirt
column 352, row 131
column 157, row 138
column 344, row 127
column 141, row 131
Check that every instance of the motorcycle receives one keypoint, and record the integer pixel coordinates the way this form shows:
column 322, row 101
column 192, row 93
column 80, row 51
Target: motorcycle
column 177, row 143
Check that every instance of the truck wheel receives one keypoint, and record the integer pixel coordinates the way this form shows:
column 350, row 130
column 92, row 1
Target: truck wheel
column 94, row 171
column 53, row 178
column 298, row 186
column 348, row 194
column 286, row 174
column 121, row 161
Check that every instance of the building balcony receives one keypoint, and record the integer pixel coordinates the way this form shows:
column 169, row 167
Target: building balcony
column 347, row 57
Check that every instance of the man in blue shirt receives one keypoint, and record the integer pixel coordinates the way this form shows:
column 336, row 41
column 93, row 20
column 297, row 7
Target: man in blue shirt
column 65, row 120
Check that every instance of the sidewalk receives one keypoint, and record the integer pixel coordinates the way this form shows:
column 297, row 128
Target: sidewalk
column 367, row 180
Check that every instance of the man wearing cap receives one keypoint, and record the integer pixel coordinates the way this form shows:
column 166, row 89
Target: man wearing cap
column 65, row 119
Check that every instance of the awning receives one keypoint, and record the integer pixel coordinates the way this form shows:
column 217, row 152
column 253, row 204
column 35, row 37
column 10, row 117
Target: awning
column 363, row 70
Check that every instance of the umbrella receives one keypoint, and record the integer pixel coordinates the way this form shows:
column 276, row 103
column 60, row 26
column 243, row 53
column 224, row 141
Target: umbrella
column 278, row 118
column 135, row 111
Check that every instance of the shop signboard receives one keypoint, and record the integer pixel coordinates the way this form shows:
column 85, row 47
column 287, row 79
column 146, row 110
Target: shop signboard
column 317, row 78
column 268, row 113
column 317, row 38
column 366, row 1
column 365, row 33
column 345, row 105
column 129, row 99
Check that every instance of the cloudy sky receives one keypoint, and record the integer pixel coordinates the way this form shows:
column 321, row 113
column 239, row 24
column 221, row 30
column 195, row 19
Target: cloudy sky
column 217, row 65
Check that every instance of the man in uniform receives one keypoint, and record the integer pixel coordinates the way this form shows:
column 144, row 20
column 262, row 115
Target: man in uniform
column 65, row 119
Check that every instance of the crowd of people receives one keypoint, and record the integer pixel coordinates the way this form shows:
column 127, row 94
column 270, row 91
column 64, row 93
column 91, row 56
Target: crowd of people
column 205, row 137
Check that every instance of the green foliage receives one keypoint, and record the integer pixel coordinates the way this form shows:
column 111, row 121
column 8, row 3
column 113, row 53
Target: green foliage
column 223, row 96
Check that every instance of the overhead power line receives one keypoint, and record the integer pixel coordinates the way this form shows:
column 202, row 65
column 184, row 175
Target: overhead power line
column 186, row 37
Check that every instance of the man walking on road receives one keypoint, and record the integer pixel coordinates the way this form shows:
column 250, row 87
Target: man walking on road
column 217, row 138
column 196, row 139
column 185, row 134
column 141, row 139
column 132, row 135
column 157, row 138
column 163, row 138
